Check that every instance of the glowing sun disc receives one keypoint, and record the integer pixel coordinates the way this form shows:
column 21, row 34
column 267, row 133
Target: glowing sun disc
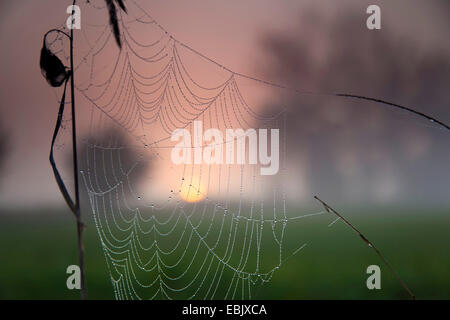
column 192, row 193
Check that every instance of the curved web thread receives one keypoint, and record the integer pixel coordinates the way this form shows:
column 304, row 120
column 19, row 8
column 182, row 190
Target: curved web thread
column 187, row 231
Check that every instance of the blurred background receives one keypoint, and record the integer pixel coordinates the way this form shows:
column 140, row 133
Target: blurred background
column 386, row 170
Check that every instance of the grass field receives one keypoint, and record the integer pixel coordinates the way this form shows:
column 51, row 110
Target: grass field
column 38, row 246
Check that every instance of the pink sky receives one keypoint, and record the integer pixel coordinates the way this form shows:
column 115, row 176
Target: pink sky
column 228, row 31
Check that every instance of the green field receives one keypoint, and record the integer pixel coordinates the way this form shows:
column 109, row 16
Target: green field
column 38, row 246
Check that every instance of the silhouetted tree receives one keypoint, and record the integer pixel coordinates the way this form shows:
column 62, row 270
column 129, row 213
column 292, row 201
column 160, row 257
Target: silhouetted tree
column 109, row 157
column 357, row 148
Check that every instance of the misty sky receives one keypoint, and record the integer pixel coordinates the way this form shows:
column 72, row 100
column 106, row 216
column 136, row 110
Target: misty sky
column 228, row 31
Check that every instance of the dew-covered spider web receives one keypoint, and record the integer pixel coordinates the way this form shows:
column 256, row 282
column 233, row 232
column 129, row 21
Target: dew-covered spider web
column 171, row 230
column 175, row 231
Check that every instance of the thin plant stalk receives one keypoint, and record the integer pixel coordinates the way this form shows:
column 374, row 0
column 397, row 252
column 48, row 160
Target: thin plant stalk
column 370, row 244
column 80, row 224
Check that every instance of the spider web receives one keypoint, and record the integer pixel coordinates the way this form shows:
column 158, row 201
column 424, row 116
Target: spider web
column 190, row 231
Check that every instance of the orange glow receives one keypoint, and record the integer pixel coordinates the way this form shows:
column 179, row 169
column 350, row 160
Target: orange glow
column 192, row 193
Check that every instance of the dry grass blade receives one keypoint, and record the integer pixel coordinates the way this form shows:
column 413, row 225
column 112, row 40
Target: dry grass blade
column 122, row 5
column 113, row 21
column 369, row 243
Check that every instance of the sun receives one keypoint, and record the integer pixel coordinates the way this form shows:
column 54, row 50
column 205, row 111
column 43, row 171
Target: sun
column 192, row 192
